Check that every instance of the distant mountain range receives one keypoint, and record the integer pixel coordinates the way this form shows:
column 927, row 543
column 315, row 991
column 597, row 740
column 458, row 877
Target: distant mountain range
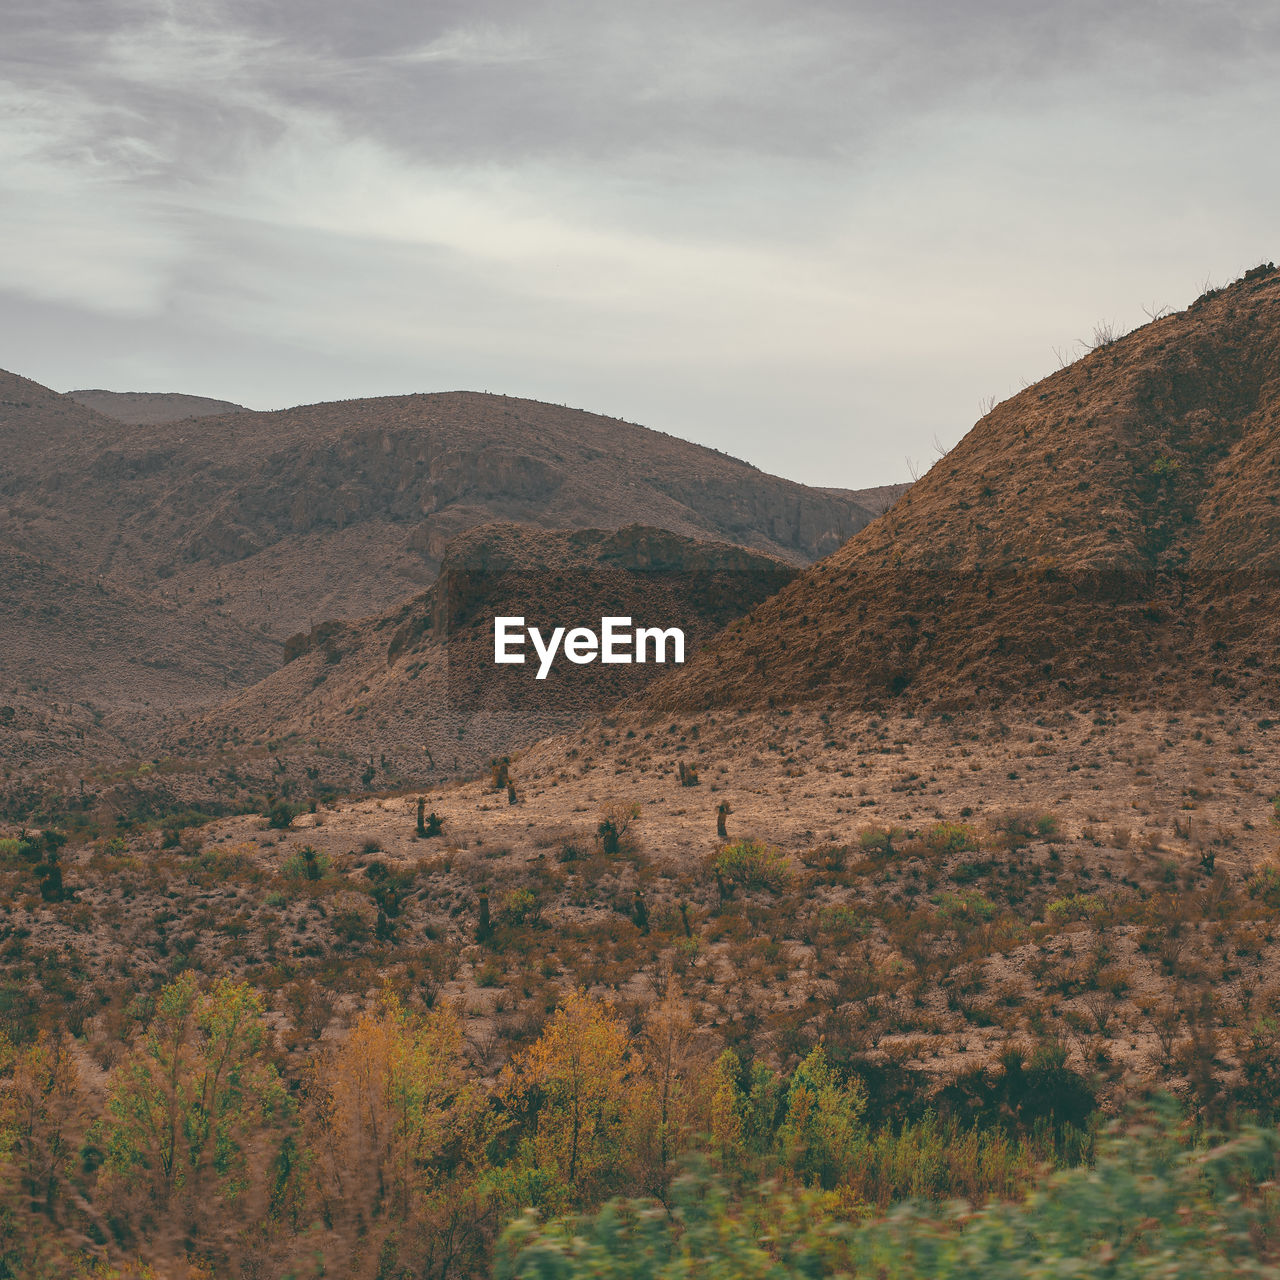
column 157, row 550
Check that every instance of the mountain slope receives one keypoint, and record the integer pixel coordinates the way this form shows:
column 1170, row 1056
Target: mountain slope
column 1112, row 529
column 145, row 407
column 285, row 518
column 416, row 688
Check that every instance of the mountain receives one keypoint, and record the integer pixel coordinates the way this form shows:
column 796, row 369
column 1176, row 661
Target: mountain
column 147, row 407
column 416, row 688
column 196, row 547
column 339, row 510
column 1112, row 531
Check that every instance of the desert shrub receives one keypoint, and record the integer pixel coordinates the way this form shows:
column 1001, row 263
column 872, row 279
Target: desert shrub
column 879, row 841
column 350, row 926
column 306, row 863
column 280, row 814
column 1264, row 884
column 571, row 849
column 614, row 826
column 1017, row 828
column 9, row 847
column 952, row 837
column 518, row 907
column 752, row 865
column 842, row 922
column 223, row 864
column 968, row 906
column 1079, row 906
column 826, row 857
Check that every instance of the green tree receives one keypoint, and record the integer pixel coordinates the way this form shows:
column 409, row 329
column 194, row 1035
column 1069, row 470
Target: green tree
column 197, row 1114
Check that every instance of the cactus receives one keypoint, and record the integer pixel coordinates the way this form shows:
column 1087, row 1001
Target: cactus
column 639, row 913
column 512, row 798
column 722, row 812
column 484, row 929
column 688, row 775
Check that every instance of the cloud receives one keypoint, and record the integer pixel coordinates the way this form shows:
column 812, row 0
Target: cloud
column 719, row 217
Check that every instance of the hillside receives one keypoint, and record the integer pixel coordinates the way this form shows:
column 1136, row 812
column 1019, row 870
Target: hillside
column 133, row 545
column 416, row 689
column 1111, row 531
column 147, row 407
column 339, row 510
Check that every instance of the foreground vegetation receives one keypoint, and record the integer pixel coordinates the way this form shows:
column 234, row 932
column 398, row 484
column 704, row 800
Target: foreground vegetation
column 388, row 1156
column 497, row 1025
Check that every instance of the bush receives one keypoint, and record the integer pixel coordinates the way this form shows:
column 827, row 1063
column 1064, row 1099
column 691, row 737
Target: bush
column 306, row 864
column 615, row 823
column 1265, row 884
column 878, row 841
column 843, row 923
column 952, row 837
column 518, row 907
column 1149, row 1205
column 1079, row 906
column 752, row 865
column 967, row 907
column 280, row 814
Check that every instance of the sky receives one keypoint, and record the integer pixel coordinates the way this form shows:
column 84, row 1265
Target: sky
column 820, row 235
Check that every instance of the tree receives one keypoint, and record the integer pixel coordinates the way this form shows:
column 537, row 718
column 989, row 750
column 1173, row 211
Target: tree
column 824, row 1121
column 577, row 1076
column 197, row 1115
column 400, row 1136
column 672, row 1101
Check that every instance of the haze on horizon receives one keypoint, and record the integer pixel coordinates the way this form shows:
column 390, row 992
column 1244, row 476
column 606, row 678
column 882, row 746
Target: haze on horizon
column 814, row 234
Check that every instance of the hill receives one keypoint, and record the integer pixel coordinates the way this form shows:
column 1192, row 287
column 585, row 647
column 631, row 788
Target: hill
column 197, row 547
column 1109, row 532
column 339, row 510
column 144, row 407
column 415, row 690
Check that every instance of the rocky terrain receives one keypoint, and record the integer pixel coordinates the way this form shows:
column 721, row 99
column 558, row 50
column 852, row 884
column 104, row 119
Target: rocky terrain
column 955, row 847
column 414, row 693
column 1108, row 534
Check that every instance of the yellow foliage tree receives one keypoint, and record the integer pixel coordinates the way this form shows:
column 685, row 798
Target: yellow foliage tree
column 399, row 1136
column 671, row 1103
column 577, row 1076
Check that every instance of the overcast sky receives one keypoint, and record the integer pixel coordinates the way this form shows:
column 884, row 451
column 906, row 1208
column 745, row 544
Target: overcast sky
column 814, row 233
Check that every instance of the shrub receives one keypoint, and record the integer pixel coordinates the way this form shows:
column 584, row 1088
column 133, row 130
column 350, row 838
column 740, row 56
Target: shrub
column 280, row 814
column 1265, row 884
column 1149, row 1205
column 1079, row 906
column 826, row 857
column 752, row 865
column 842, row 922
column 878, row 841
column 952, row 837
column 615, row 823
column 518, row 907
column 306, row 864
column 967, row 906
